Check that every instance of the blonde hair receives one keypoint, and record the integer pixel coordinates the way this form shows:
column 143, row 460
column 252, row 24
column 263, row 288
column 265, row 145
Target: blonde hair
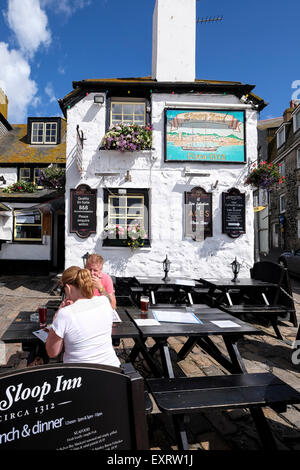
column 94, row 258
column 80, row 278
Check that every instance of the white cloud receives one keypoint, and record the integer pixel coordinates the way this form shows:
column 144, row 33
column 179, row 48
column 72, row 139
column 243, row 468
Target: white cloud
column 67, row 7
column 50, row 92
column 29, row 23
column 16, row 83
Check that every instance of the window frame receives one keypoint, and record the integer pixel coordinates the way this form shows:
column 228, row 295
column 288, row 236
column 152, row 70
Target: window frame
column 135, row 97
column 26, row 240
column 43, row 121
column 129, row 101
column 282, row 197
column 298, row 158
column 298, row 228
column 279, row 132
column 282, row 168
column 22, row 178
column 108, row 195
column 295, row 115
column 44, row 133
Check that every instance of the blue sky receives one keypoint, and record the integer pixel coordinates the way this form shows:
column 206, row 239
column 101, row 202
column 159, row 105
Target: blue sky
column 47, row 44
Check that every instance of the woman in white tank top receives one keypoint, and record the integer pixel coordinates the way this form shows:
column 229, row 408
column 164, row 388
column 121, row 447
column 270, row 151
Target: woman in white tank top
column 82, row 326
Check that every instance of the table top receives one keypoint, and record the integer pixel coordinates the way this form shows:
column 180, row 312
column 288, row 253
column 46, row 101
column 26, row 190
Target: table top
column 241, row 282
column 20, row 330
column 205, row 314
column 173, row 281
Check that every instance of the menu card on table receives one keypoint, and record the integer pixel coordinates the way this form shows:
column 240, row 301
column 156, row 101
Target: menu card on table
column 42, row 334
column 174, row 316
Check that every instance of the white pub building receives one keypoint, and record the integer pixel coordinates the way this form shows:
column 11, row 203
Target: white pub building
column 164, row 157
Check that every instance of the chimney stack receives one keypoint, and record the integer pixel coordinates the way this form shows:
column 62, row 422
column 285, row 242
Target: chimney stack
column 174, row 41
column 3, row 103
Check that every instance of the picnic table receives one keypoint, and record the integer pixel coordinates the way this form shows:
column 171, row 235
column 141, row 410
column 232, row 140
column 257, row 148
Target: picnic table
column 211, row 322
column 266, row 294
column 22, row 328
column 176, row 289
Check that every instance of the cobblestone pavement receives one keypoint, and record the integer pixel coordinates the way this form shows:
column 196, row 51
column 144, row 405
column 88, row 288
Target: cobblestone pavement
column 222, row 430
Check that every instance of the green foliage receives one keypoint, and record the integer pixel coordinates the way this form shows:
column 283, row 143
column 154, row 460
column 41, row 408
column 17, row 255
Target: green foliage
column 21, row 187
column 53, row 177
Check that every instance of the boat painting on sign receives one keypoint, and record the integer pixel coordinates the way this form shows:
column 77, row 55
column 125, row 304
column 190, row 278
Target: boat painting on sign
column 205, row 135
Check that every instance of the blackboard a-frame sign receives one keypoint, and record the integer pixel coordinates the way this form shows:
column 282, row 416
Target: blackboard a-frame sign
column 233, row 213
column 83, row 211
column 72, row 407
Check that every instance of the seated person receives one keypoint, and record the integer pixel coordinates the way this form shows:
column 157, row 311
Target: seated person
column 77, row 326
column 102, row 282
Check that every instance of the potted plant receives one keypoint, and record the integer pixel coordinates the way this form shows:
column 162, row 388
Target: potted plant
column 21, row 187
column 264, row 175
column 133, row 236
column 128, row 137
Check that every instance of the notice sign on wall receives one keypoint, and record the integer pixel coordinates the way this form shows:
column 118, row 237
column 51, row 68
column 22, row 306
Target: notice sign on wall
column 198, row 214
column 65, row 407
column 233, row 213
column 83, row 211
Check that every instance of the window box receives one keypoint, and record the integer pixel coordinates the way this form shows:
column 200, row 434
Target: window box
column 129, row 137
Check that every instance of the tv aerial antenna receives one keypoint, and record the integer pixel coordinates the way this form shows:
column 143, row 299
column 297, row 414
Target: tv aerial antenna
column 209, row 19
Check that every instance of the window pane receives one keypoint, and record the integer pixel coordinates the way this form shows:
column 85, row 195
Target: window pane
column 128, row 108
column 139, row 119
column 37, row 132
column 116, row 108
column 24, row 174
column 116, row 118
column 50, row 132
column 28, row 232
column 139, row 109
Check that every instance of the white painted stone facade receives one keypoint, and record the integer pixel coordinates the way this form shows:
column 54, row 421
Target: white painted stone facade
column 167, row 184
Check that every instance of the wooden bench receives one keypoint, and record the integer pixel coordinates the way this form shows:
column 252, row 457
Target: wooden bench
column 184, row 395
column 278, row 302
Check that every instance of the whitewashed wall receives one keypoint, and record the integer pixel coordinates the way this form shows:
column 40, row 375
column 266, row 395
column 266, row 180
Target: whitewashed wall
column 167, row 184
column 10, row 176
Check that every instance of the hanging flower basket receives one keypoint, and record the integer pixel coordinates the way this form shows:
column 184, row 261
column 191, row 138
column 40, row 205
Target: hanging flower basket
column 133, row 237
column 128, row 138
column 265, row 175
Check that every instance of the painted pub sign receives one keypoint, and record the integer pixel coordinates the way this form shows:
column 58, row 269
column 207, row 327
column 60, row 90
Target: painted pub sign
column 197, row 135
column 83, row 220
column 233, row 213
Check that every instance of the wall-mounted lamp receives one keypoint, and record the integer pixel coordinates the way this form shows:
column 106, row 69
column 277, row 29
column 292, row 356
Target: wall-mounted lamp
column 85, row 257
column 98, row 99
column 128, row 176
